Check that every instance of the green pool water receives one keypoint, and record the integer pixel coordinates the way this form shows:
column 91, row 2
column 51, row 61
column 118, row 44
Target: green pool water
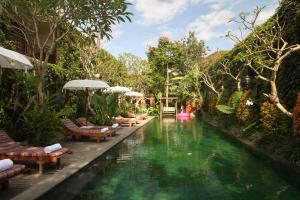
column 170, row 159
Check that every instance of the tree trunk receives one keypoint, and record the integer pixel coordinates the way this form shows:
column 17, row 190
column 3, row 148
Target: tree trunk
column 274, row 94
column 42, row 69
column 238, row 84
column 88, row 98
column 40, row 93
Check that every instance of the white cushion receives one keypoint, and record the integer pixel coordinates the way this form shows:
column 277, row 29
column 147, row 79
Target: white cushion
column 104, row 129
column 115, row 125
column 52, row 148
column 5, row 164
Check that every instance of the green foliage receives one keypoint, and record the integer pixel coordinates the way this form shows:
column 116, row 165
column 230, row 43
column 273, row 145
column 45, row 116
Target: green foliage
column 232, row 104
column 4, row 40
column 153, row 111
column 136, row 67
column 3, row 116
column 250, row 126
column 110, row 68
column 125, row 106
column 133, row 63
column 234, row 100
column 97, row 16
column 40, row 124
column 244, row 112
column 179, row 57
column 225, row 109
column 106, row 107
column 273, row 121
column 224, row 97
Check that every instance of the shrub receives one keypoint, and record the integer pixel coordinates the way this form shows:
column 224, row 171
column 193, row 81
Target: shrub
column 125, row 106
column 223, row 98
column 154, row 111
column 273, row 121
column 234, row 99
column 40, row 124
column 3, row 117
column 106, row 107
column 244, row 112
column 232, row 103
column 212, row 102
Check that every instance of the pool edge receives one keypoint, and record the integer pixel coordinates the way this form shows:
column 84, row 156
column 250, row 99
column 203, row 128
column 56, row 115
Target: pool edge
column 46, row 186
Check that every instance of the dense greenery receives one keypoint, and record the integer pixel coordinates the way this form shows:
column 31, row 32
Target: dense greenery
column 252, row 87
column 57, row 19
column 255, row 83
column 21, row 113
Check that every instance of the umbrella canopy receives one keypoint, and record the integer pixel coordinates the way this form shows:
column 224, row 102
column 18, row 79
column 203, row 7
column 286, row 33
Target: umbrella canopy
column 133, row 94
column 85, row 85
column 14, row 60
column 117, row 89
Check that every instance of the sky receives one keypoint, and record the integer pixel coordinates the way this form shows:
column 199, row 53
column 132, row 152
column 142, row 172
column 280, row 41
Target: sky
column 209, row 19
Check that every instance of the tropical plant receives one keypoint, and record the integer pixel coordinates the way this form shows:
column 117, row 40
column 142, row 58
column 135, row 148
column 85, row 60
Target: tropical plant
column 232, row 103
column 59, row 18
column 225, row 109
column 106, row 107
column 244, row 111
column 273, row 121
column 41, row 124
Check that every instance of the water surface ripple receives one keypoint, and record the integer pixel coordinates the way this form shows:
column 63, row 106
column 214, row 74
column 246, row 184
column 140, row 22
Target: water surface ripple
column 175, row 160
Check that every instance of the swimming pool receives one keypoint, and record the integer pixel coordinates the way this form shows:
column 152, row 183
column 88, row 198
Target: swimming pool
column 169, row 159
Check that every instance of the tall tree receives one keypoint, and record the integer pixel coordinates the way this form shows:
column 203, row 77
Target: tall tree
column 133, row 63
column 44, row 23
column 193, row 49
column 266, row 50
column 136, row 67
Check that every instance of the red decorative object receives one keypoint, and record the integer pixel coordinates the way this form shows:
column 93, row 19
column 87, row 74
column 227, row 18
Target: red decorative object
column 188, row 107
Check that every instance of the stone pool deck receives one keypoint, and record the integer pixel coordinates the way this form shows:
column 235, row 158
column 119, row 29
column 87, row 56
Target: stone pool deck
column 33, row 186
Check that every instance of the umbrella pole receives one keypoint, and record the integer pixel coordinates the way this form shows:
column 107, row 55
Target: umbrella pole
column 86, row 106
column 89, row 107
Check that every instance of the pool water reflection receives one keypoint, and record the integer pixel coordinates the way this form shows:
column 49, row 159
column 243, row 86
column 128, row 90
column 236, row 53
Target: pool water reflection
column 170, row 159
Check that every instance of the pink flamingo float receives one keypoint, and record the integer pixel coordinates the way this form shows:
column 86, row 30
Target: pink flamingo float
column 183, row 115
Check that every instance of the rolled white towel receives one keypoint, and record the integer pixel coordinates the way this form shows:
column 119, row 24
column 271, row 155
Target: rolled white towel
column 104, row 129
column 52, row 148
column 87, row 127
column 115, row 125
column 5, row 164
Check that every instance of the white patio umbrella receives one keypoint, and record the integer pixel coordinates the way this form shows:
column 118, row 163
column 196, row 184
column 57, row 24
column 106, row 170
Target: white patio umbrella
column 86, row 85
column 133, row 94
column 117, row 89
column 14, row 60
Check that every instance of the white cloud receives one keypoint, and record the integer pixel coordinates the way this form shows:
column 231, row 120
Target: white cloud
column 266, row 13
column 151, row 42
column 218, row 4
column 160, row 11
column 205, row 25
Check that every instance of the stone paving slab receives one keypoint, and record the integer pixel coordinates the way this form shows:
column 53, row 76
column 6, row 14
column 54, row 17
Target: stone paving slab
column 32, row 186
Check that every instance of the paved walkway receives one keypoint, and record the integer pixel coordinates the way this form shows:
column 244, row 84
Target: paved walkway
column 32, row 186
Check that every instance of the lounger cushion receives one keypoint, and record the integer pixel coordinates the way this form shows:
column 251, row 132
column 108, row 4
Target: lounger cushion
column 10, row 149
column 83, row 132
column 13, row 171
